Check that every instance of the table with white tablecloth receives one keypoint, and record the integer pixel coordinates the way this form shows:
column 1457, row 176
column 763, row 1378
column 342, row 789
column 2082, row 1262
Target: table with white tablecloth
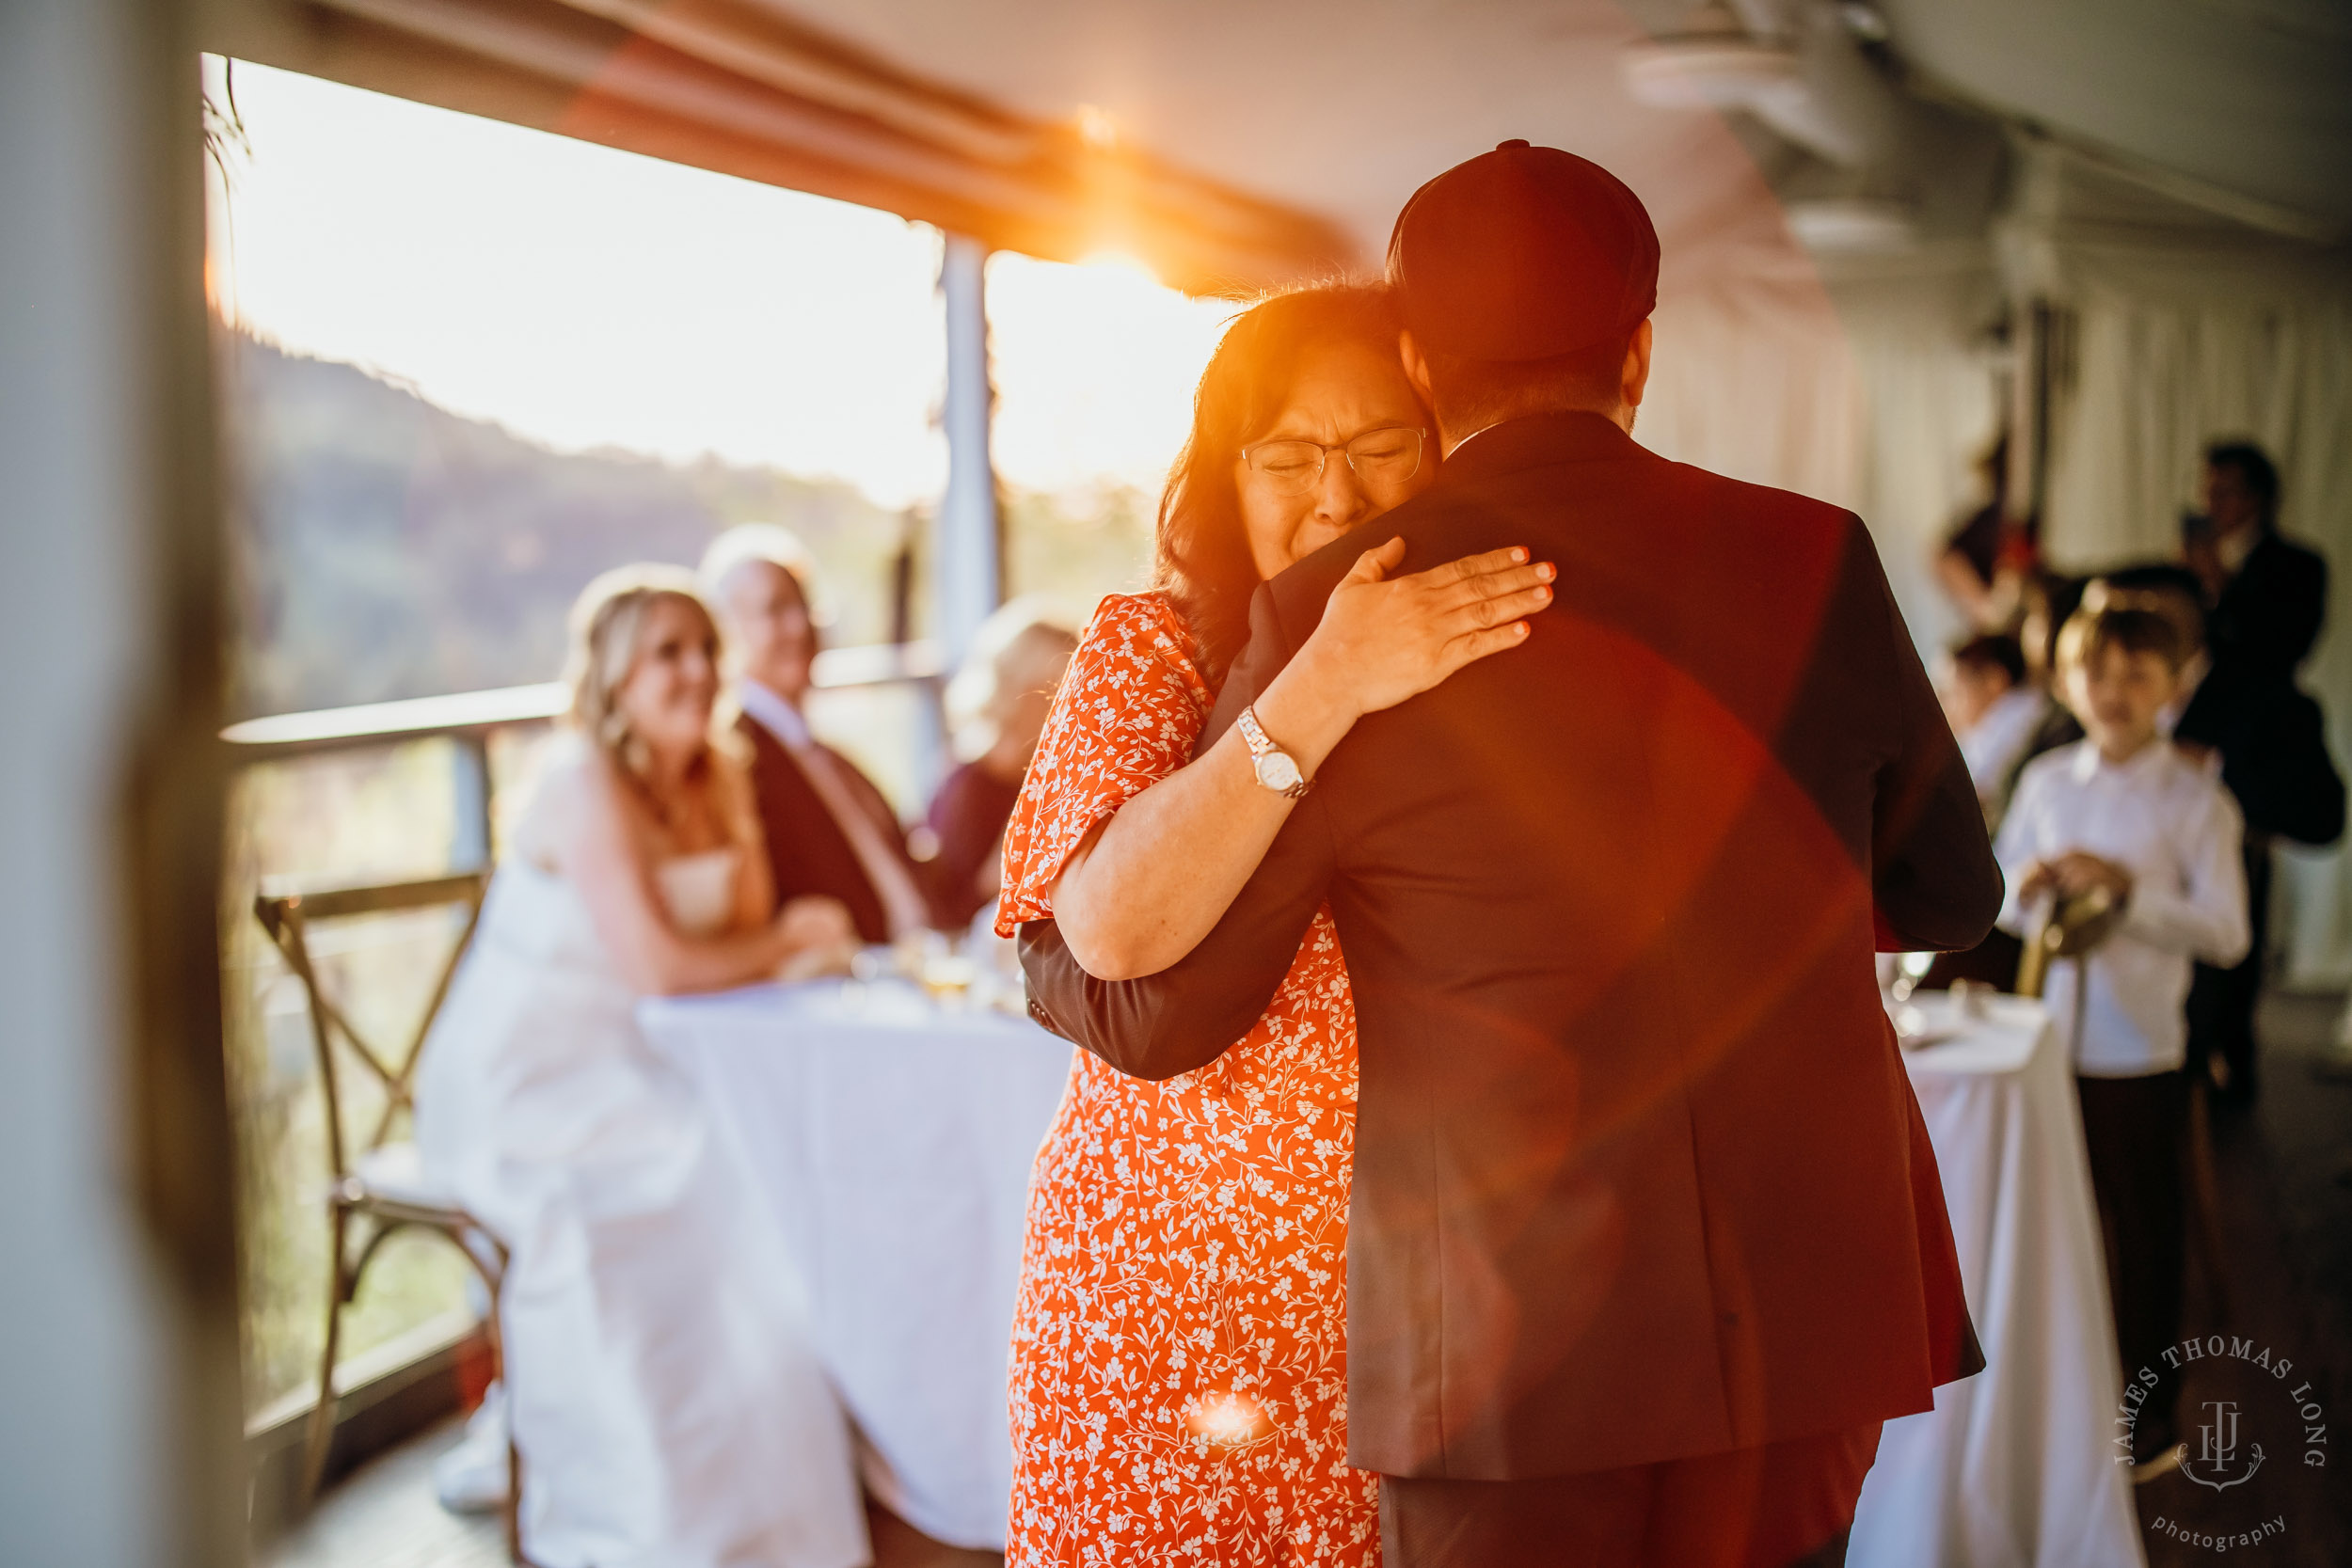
column 890, row 1140
column 2014, row 1467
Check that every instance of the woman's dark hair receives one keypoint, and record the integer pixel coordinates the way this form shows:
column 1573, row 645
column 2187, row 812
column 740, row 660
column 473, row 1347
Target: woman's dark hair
column 1202, row 555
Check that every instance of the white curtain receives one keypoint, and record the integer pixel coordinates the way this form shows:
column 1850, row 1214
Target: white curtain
column 1871, row 395
column 2175, row 347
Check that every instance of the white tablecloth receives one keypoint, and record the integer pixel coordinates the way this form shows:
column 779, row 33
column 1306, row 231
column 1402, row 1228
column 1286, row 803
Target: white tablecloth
column 892, row 1141
column 2015, row 1466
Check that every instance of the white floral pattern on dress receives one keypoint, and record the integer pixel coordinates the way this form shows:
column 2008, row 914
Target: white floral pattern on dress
column 1179, row 1360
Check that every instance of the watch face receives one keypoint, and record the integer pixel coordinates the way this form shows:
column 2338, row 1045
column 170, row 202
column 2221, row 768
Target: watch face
column 1276, row 771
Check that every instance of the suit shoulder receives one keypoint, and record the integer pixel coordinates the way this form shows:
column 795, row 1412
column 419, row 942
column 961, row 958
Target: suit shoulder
column 1781, row 508
column 1308, row 581
column 2300, row 558
column 757, row 743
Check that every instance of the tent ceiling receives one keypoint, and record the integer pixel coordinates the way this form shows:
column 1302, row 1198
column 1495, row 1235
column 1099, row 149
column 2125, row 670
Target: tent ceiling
column 729, row 86
column 1237, row 142
column 1342, row 108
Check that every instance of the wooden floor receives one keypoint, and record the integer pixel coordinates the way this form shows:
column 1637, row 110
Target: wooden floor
column 384, row 1515
column 2284, row 1179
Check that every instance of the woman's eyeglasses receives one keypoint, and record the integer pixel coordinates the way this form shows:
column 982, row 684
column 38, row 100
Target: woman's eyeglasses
column 1389, row 455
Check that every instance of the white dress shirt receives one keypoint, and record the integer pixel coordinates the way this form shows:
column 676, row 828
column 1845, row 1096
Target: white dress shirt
column 2176, row 831
column 904, row 906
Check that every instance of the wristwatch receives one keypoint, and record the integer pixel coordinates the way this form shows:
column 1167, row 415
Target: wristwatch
column 1276, row 768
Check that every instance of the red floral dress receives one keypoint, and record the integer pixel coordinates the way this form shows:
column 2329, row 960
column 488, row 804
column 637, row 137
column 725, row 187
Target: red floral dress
column 1179, row 1356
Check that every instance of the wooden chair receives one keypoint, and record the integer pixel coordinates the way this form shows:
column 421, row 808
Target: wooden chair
column 379, row 1183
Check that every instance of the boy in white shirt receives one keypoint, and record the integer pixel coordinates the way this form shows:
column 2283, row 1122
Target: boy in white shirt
column 2123, row 810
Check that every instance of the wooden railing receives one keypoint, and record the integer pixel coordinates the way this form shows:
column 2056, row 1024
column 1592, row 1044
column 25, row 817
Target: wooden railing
column 469, row 718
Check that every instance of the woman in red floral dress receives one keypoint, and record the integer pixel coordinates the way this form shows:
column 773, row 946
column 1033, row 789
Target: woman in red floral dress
column 1179, row 1359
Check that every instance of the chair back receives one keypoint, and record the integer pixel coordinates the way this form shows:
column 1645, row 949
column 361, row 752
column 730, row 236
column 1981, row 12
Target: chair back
column 288, row 918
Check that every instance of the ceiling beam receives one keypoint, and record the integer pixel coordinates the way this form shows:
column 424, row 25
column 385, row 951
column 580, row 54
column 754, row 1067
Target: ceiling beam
column 735, row 87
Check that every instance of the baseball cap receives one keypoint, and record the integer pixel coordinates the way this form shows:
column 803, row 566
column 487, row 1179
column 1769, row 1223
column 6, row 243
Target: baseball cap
column 1523, row 253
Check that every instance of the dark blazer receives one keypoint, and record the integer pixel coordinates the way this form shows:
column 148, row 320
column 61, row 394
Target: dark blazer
column 1638, row 1171
column 807, row 849
column 2269, row 613
column 2273, row 743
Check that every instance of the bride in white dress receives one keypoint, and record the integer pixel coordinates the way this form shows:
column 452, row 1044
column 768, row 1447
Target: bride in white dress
column 664, row 1400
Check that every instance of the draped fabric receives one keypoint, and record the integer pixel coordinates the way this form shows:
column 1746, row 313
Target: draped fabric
column 1874, row 395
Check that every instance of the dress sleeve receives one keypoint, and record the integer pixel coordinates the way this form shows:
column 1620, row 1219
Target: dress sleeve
column 1156, row 1027
column 1125, row 719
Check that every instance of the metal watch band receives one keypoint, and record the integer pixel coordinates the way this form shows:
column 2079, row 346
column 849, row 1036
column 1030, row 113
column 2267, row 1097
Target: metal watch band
column 1262, row 747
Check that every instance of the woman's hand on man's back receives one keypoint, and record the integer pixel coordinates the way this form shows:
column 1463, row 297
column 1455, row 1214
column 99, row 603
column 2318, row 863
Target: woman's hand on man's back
column 1384, row 638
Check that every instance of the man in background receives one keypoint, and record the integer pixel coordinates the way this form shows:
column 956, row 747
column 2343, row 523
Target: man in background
column 2268, row 595
column 830, row 832
column 2267, row 598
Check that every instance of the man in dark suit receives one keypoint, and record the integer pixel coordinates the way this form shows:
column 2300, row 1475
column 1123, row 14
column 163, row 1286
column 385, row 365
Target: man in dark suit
column 2268, row 597
column 830, row 832
column 1647, row 1238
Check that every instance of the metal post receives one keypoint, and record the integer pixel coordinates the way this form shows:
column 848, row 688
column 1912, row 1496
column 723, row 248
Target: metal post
column 966, row 583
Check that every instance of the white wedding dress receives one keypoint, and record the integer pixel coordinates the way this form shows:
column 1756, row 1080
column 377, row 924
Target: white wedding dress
column 666, row 1404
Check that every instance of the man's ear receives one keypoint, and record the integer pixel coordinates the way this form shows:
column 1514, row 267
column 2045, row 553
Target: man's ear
column 1416, row 368
column 1635, row 378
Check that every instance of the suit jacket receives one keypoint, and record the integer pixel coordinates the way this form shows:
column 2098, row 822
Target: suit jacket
column 1638, row 1172
column 2269, row 613
column 807, row 847
column 2273, row 743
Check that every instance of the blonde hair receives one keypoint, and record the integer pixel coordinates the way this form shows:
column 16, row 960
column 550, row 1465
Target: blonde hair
column 1021, row 649
column 608, row 622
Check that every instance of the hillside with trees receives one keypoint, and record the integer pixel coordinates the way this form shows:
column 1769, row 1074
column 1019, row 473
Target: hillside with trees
column 384, row 547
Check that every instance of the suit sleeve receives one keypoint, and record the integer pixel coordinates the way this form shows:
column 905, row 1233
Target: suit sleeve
column 1933, row 875
column 2273, row 613
column 1186, row 1015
